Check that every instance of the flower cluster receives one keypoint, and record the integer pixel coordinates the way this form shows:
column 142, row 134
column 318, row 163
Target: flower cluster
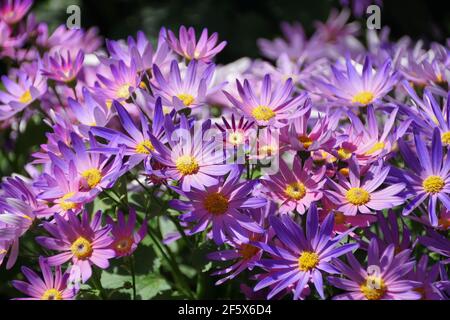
column 321, row 172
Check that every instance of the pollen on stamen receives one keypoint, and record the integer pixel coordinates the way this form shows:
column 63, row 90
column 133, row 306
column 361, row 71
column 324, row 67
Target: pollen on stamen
column 144, row 147
column 357, row 196
column 187, row 165
column 433, row 184
column 263, row 113
column 363, row 98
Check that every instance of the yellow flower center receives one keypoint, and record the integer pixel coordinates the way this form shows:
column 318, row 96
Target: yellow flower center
column 93, row 177
column 3, row 251
column 236, row 138
column 124, row 91
column 248, row 251
column 216, row 203
column 186, row 98
column 374, row 288
column 357, row 196
column 81, row 248
column 52, row 294
column 344, row 154
column 446, row 138
column 295, row 190
column 433, row 184
column 67, row 205
column 187, row 165
column 363, row 97
column 263, row 113
column 308, row 260
column 376, row 147
column 123, row 246
column 25, row 97
column 144, row 147
column 306, row 141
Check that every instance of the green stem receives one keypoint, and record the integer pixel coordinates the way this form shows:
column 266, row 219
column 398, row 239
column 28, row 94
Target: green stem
column 179, row 278
column 133, row 275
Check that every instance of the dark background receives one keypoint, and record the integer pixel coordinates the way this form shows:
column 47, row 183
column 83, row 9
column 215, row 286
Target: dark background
column 241, row 22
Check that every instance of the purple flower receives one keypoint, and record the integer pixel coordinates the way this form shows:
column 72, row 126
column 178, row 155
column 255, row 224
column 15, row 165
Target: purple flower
column 237, row 133
column 351, row 88
column 61, row 69
column 63, row 190
column 97, row 171
column 225, row 205
column 189, row 91
column 136, row 141
column 302, row 137
column 20, row 94
column 274, row 106
column 189, row 159
column 294, row 190
column 12, row 11
column 126, row 239
column 243, row 253
column 296, row 259
column 188, row 47
column 119, row 84
column 429, row 176
column 353, row 195
column 384, row 279
column 84, row 242
column 89, row 112
column 139, row 51
column 49, row 287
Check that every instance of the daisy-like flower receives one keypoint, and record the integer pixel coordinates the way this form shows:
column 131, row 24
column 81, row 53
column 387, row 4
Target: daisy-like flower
column 139, row 51
column 295, row 44
column 126, row 239
column 89, row 112
column 85, row 242
column 384, row 278
column 48, row 287
column 301, row 137
column 296, row 189
column 20, row 94
column 137, row 141
column 237, row 133
column 224, row 205
column 374, row 145
column 298, row 259
column 12, row 11
column 63, row 190
column 358, row 90
column 63, row 69
column 97, row 171
column 353, row 195
column 120, row 84
column 188, row 47
column 17, row 214
column 243, row 253
column 189, row 160
column 189, row 91
column 429, row 177
column 274, row 106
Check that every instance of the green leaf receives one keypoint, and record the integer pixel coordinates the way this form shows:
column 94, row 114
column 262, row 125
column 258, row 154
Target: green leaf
column 150, row 286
